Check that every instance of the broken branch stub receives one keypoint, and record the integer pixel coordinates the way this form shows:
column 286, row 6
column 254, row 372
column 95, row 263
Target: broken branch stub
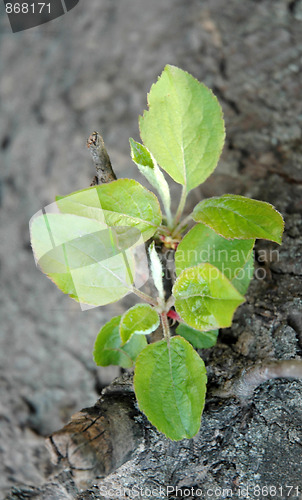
column 99, row 439
column 101, row 160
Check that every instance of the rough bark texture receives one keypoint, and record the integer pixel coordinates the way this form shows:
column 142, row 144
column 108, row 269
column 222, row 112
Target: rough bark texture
column 90, row 70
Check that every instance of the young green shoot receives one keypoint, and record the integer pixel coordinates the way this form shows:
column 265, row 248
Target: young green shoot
column 92, row 246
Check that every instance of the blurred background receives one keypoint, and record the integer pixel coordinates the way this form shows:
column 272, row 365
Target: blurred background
column 91, row 70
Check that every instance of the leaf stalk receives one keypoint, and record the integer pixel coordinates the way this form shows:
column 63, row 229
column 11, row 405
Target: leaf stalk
column 144, row 296
column 168, row 216
column 181, row 225
column 181, row 206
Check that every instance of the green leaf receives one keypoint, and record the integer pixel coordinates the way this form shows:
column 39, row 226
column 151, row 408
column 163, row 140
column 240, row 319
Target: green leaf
column 198, row 339
column 202, row 244
column 156, row 270
column 85, row 203
column 234, row 216
column 139, row 319
column 204, row 298
column 124, row 202
column 83, row 257
column 234, row 258
column 242, row 279
column 108, row 349
column 149, row 168
column 184, row 127
column 170, row 385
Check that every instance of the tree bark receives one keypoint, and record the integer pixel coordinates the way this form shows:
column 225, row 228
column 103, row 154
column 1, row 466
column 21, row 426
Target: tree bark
column 261, row 447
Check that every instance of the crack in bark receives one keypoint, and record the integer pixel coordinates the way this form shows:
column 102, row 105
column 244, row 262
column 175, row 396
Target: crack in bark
column 244, row 385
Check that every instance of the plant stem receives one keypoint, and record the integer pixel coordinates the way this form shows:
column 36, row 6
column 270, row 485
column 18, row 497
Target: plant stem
column 144, row 296
column 181, row 205
column 165, row 325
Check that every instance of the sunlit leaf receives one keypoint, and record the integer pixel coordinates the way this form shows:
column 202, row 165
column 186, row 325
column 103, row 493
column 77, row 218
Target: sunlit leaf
column 183, row 128
column 124, row 202
column 83, row 257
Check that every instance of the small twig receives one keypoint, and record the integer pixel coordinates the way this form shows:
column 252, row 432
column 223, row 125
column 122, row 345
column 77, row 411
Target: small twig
column 101, row 160
column 243, row 386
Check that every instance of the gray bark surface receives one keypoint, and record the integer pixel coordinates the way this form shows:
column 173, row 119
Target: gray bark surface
column 91, row 70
